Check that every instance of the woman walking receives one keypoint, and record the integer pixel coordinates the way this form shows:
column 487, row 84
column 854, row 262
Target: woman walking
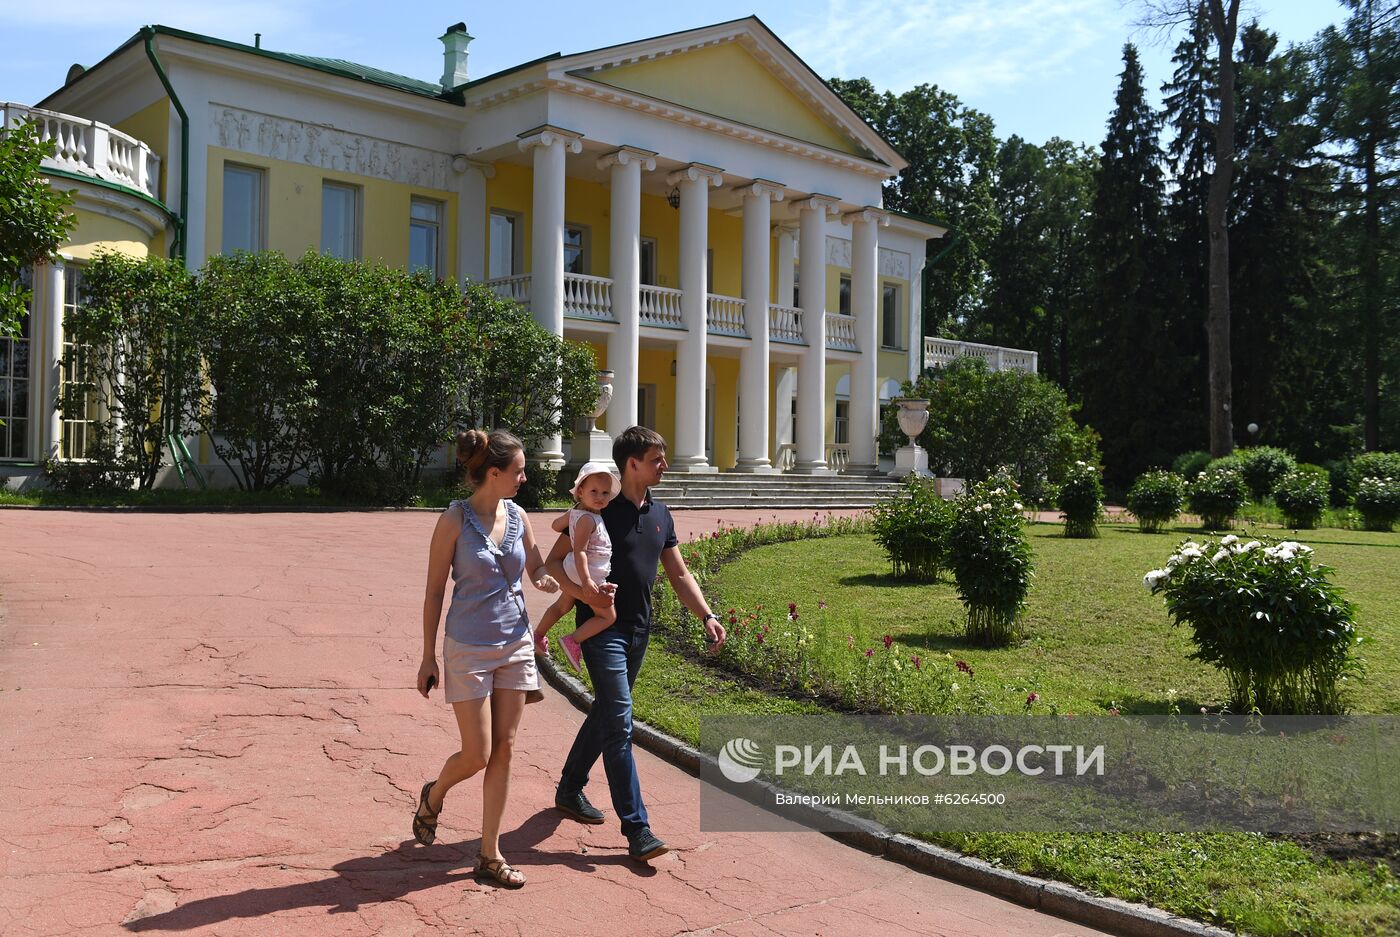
column 488, row 651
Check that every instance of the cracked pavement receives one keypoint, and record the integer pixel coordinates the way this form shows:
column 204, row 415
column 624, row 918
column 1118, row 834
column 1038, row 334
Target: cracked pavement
column 207, row 726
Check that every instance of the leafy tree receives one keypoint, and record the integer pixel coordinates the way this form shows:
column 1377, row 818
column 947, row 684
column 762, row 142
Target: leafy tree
column 127, row 341
column 34, row 218
column 383, row 348
column 1037, row 266
column 251, row 320
column 1357, row 106
column 515, row 368
column 1223, row 19
column 951, row 151
column 981, row 420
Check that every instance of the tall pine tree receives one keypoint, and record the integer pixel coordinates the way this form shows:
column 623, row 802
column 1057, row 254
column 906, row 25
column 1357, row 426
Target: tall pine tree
column 1132, row 378
column 1358, row 106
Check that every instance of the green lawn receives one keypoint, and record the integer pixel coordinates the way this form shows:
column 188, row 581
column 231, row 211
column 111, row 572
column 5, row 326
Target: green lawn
column 1094, row 636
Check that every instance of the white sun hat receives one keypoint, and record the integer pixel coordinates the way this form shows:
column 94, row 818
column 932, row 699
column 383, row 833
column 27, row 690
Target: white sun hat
column 596, row 468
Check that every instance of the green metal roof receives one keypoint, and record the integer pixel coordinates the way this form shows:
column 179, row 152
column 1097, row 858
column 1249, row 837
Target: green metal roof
column 364, row 72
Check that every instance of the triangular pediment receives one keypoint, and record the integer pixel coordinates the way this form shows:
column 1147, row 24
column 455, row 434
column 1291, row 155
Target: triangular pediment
column 739, row 72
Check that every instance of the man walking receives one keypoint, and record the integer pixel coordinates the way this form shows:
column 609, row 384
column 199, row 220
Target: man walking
column 643, row 535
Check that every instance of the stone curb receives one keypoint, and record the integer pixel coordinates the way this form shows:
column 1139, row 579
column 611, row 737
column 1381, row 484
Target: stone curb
column 1111, row 914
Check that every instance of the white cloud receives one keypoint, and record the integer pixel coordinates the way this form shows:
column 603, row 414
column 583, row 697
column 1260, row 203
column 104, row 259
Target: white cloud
column 967, row 47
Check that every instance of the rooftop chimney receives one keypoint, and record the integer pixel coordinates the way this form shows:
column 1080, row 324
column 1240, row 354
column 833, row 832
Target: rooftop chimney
column 454, row 56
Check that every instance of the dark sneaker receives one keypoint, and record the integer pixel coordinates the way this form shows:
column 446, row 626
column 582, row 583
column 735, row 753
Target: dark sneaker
column 575, row 805
column 644, row 846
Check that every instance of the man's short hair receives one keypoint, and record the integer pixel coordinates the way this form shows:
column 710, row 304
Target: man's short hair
column 633, row 443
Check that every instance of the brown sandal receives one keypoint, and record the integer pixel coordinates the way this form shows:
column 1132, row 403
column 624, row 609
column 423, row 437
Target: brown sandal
column 425, row 819
column 499, row 871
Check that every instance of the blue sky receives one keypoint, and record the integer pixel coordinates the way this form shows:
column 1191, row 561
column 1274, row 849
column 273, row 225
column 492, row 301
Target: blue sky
column 1040, row 68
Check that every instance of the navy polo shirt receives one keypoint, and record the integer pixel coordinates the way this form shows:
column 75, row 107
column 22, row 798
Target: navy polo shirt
column 639, row 535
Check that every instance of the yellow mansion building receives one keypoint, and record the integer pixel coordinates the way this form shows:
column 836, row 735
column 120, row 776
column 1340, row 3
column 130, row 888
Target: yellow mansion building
column 699, row 207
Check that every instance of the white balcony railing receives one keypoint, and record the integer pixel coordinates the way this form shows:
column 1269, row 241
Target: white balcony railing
column 841, row 332
column 838, row 456
column 939, row 352
column 724, row 315
column 587, row 297
column 661, row 306
column 784, row 324
column 516, row 288
column 90, row 148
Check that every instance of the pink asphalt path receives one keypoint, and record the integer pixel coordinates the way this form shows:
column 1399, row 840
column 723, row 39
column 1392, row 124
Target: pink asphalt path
column 207, row 726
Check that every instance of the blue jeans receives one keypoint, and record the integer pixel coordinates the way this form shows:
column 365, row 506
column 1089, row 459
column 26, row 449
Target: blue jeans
column 614, row 658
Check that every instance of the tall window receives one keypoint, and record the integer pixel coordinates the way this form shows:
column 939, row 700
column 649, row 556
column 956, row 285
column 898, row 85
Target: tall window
column 844, row 303
column 505, row 229
column 78, row 428
column 243, row 208
column 648, row 261
column 797, row 287
column 575, row 248
column 425, row 235
column 841, row 423
column 889, row 316
column 340, row 220
column 14, row 383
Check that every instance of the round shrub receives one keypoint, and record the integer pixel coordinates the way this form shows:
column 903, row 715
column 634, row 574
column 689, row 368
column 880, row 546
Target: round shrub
column 1156, row 499
column 1302, row 497
column 991, row 560
column 1378, row 500
column 1191, row 464
column 1081, row 500
column 1266, row 615
column 912, row 528
column 1371, row 465
column 1262, row 467
column 1217, row 495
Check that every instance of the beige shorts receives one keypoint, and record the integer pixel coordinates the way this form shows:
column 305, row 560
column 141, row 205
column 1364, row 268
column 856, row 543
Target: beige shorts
column 472, row 671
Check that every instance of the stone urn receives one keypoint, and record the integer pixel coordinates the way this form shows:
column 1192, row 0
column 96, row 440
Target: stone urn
column 590, row 443
column 913, row 417
column 605, row 395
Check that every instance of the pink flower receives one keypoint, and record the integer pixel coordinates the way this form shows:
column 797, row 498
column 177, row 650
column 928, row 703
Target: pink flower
column 888, row 639
column 759, row 639
column 1032, row 698
column 821, row 604
column 1115, row 711
column 792, row 608
column 869, row 652
column 850, row 641
column 916, row 660
column 962, row 665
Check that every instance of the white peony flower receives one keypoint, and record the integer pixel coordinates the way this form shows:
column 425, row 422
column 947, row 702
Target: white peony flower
column 1154, row 577
column 1223, row 554
column 1228, row 539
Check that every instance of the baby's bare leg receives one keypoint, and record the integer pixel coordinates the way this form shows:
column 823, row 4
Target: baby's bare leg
column 602, row 620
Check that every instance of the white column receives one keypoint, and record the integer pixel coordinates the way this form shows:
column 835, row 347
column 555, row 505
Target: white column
column 782, row 404
column 51, row 372
column 753, row 360
column 689, row 445
column 547, row 246
column 865, row 294
column 787, row 256
column 811, row 374
column 625, row 250
column 471, row 217
column 916, row 321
